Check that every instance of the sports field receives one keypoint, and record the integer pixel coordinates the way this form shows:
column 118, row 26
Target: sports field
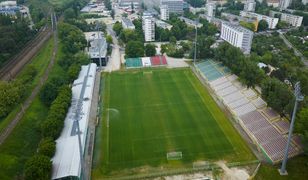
column 149, row 113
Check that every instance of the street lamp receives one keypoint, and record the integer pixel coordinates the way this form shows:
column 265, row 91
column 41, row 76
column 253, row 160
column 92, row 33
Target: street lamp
column 298, row 97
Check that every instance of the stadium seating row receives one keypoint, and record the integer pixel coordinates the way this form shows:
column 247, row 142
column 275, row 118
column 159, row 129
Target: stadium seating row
column 256, row 119
column 145, row 62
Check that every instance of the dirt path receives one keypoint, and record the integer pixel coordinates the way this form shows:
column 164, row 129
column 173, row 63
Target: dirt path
column 25, row 105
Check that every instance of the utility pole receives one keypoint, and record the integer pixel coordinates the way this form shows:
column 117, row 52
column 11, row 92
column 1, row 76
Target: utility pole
column 298, row 97
column 195, row 53
column 99, row 45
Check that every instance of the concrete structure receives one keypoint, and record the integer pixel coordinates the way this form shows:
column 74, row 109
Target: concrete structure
column 274, row 3
column 9, row 8
column 272, row 22
column 237, row 36
column 148, row 26
column 304, row 2
column 174, row 6
column 128, row 4
column 250, row 5
column 284, row 4
column 66, row 162
column 190, row 22
column 293, row 20
column 163, row 24
column 127, row 23
column 151, row 12
column 164, row 12
column 216, row 21
column 236, row 20
column 210, row 9
column 97, row 47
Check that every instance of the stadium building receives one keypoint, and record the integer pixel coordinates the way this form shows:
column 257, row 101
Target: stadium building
column 66, row 161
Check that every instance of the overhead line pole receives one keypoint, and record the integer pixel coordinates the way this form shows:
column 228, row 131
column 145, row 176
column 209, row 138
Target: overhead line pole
column 298, row 97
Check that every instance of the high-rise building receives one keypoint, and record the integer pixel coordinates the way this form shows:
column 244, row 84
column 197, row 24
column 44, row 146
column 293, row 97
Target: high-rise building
column 237, row 36
column 210, row 9
column 250, row 5
column 164, row 12
column 272, row 22
column 174, row 6
column 284, row 4
column 148, row 26
column 291, row 19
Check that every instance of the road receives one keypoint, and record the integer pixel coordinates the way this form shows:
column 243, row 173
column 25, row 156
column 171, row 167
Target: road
column 296, row 52
column 26, row 104
column 114, row 62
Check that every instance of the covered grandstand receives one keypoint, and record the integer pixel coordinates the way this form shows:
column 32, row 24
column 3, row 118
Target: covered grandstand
column 262, row 124
column 66, row 161
column 145, row 62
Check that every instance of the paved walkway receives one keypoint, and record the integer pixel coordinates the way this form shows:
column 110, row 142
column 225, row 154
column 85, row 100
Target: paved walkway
column 91, row 129
column 25, row 105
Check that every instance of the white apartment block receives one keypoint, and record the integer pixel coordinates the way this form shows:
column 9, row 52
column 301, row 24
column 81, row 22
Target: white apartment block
column 127, row 24
column 272, row 22
column 148, row 26
column 294, row 20
column 284, row 4
column 210, row 9
column 250, row 5
column 174, row 6
column 164, row 12
column 237, row 36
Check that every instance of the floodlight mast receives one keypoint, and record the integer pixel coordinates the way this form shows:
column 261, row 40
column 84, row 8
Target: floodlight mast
column 99, row 45
column 298, row 97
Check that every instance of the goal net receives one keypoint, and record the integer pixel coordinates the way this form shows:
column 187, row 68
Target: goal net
column 174, row 155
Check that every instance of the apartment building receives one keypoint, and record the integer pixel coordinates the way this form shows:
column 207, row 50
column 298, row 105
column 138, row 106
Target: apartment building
column 174, row 6
column 164, row 12
column 271, row 21
column 148, row 26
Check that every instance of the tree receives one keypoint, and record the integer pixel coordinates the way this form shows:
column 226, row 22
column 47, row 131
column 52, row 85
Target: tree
column 172, row 40
column 196, row 3
column 117, row 27
column 150, row 50
column 107, row 4
column 69, row 14
column 109, row 39
column 273, row 90
column 134, row 49
column 47, row 147
column 112, row 13
column 38, row 167
column 301, row 126
column 262, row 25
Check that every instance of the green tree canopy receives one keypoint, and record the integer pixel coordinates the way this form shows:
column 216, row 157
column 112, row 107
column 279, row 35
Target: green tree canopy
column 134, row 49
column 262, row 25
column 150, row 50
column 38, row 167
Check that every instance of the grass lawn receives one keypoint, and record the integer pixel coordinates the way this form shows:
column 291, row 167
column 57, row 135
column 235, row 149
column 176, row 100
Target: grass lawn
column 149, row 113
column 40, row 62
column 23, row 141
column 297, row 169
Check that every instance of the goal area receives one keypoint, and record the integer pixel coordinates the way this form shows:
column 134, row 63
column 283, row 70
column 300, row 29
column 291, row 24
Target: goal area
column 174, row 155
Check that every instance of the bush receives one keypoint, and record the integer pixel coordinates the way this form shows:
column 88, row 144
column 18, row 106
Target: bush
column 38, row 167
column 47, row 147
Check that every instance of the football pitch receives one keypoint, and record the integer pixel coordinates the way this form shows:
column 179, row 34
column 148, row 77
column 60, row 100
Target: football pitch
column 149, row 113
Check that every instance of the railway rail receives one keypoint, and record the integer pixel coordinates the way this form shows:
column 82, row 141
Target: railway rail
column 13, row 66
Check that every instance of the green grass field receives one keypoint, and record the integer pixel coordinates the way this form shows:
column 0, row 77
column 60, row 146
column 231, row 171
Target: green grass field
column 149, row 113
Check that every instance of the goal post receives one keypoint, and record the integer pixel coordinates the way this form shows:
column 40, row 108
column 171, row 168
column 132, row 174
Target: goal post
column 174, row 155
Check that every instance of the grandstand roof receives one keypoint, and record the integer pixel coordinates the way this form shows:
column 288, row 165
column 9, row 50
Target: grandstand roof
column 66, row 161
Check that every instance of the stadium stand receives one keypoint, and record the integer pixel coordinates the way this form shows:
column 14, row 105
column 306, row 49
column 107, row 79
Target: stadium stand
column 133, row 62
column 262, row 124
column 145, row 62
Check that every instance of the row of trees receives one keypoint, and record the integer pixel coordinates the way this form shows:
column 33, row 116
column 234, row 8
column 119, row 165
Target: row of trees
column 56, row 94
column 13, row 92
column 14, row 34
column 137, row 49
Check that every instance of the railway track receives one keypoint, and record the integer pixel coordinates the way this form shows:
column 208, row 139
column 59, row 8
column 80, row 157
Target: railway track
column 25, row 105
column 13, row 66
